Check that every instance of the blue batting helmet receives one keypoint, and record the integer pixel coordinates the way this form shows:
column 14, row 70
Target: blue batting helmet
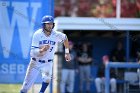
column 47, row 19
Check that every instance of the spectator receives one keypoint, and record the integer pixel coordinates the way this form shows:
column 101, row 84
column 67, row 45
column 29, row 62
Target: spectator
column 118, row 55
column 68, row 72
column 85, row 61
column 100, row 80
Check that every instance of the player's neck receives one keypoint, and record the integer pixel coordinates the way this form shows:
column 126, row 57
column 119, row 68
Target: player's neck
column 47, row 33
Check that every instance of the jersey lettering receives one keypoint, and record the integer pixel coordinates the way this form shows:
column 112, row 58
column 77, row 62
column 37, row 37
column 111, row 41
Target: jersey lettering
column 47, row 42
column 51, row 49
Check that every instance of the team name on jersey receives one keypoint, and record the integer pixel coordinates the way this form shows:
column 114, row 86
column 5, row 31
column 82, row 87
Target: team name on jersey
column 47, row 42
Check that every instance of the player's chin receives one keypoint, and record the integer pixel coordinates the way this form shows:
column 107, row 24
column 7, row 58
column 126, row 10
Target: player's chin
column 49, row 30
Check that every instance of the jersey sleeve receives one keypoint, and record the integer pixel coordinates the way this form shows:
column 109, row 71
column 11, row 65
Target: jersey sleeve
column 35, row 46
column 61, row 37
column 35, row 41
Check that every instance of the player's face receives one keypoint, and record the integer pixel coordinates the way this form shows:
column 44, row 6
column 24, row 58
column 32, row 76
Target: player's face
column 48, row 27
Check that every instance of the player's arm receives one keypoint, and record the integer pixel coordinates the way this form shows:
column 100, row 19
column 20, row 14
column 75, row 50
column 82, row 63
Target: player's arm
column 37, row 51
column 40, row 51
column 67, row 54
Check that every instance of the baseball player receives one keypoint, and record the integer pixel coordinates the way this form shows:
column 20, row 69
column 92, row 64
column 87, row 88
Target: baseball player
column 43, row 47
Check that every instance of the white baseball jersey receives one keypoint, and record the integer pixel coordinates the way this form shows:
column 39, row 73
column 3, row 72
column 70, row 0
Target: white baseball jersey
column 35, row 67
column 40, row 39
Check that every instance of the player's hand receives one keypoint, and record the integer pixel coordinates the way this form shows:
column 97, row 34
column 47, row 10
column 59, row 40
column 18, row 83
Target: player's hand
column 67, row 57
column 44, row 48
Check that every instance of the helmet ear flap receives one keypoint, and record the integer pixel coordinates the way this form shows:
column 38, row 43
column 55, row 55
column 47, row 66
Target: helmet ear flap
column 43, row 25
column 53, row 25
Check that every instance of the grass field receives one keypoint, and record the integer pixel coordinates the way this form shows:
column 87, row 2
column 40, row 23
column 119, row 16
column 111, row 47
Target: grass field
column 15, row 88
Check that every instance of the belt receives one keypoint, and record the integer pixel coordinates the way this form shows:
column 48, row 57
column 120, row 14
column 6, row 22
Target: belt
column 42, row 61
